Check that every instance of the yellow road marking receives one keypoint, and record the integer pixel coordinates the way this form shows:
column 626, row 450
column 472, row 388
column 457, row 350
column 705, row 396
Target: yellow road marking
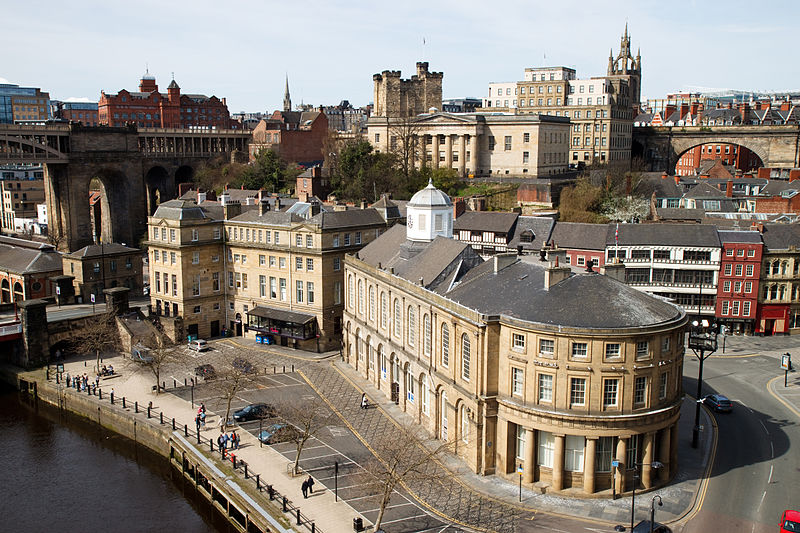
column 701, row 494
column 781, row 400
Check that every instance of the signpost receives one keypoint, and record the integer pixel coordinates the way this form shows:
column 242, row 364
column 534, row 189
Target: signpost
column 786, row 365
column 92, row 298
column 615, row 466
column 519, row 471
column 58, row 293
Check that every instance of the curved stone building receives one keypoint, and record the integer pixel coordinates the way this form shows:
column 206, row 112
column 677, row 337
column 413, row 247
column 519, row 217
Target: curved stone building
column 517, row 360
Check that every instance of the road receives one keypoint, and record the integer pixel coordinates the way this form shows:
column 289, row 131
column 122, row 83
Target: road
column 754, row 477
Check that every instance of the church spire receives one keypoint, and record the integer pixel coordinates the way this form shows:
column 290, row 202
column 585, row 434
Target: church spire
column 287, row 100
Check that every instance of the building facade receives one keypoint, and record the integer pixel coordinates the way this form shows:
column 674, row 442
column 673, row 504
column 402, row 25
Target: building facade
column 149, row 108
column 476, row 144
column 779, row 297
column 257, row 272
column 104, row 266
column 738, row 286
column 21, row 105
column 489, row 356
column 26, row 268
column 21, row 189
column 297, row 136
column 84, row 112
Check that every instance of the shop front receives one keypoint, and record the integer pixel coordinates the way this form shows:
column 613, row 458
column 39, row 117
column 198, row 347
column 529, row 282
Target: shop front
column 287, row 328
column 772, row 320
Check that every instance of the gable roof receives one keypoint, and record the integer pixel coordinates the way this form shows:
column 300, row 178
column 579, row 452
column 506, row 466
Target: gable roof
column 496, row 222
column 580, row 236
column 27, row 257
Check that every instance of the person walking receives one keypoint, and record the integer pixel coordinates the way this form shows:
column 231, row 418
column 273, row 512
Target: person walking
column 197, row 423
column 202, row 417
column 304, row 488
column 234, row 440
column 364, row 402
column 310, row 483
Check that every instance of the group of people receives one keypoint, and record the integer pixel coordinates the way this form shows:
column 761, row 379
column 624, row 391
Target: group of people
column 308, row 487
column 80, row 382
column 224, row 439
column 200, row 419
column 107, row 370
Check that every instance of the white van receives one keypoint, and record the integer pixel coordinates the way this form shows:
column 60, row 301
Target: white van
column 198, row 345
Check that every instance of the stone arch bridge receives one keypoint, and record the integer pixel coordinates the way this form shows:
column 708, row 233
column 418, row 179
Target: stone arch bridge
column 135, row 168
column 661, row 147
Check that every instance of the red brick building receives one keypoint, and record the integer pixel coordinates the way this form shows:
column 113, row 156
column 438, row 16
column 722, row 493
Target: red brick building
column 731, row 155
column 149, row 108
column 738, row 286
column 297, row 136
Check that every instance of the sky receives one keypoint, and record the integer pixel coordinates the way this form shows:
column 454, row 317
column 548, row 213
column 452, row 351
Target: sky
column 242, row 50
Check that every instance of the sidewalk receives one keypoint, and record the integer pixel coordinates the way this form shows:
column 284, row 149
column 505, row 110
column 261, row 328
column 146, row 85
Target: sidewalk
column 135, row 383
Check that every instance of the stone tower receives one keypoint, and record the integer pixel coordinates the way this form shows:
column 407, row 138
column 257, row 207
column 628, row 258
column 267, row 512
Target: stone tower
column 626, row 67
column 287, row 100
column 397, row 98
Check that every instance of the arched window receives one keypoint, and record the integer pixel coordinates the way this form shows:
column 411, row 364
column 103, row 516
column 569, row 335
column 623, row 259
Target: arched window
column 465, row 356
column 443, row 412
column 784, row 267
column 384, row 310
column 360, row 297
column 412, row 327
column 371, row 303
column 426, row 332
column 782, row 292
column 384, row 362
column 411, row 386
column 445, row 346
column 464, row 420
column 773, row 292
column 424, row 394
column 398, row 318
column 351, row 298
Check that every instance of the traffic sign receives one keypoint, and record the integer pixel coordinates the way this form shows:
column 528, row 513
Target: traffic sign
column 92, row 297
column 58, row 290
column 615, row 463
column 786, row 361
column 519, row 470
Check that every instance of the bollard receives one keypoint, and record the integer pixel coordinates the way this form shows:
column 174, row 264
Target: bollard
column 211, row 443
column 163, row 385
column 88, row 390
column 185, row 430
column 284, row 369
column 292, row 368
column 184, row 382
column 233, row 460
column 284, row 504
column 245, row 471
column 123, row 402
column 161, row 417
column 174, row 383
column 313, row 528
column 298, row 517
column 173, row 424
column 112, row 397
column 136, row 406
column 265, row 371
column 274, row 369
column 271, row 492
column 100, row 393
column 258, row 482
column 148, row 411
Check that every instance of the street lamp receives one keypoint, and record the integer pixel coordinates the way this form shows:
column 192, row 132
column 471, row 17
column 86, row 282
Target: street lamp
column 654, row 464
column 703, row 342
column 653, row 510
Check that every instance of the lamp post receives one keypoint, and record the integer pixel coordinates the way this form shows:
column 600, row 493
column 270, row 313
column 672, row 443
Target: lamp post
column 653, row 510
column 703, row 342
column 654, row 464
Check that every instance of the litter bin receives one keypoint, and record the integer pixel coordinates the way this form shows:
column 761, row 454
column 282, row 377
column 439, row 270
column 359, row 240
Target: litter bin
column 259, row 339
column 358, row 524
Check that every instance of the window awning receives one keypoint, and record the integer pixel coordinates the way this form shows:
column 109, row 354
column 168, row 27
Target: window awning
column 281, row 315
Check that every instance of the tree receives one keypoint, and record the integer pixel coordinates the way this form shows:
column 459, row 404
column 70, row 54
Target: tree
column 97, row 336
column 402, row 456
column 404, row 143
column 581, row 203
column 268, row 171
column 162, row 352
column 234, row 373
column 303, row 421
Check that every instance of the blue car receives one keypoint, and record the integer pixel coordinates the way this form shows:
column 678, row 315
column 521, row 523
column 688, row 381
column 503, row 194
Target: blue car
column 718, row 403
column 271, row 434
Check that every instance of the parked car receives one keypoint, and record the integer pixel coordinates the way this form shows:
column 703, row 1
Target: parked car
column 272, row 434
column 718, row 403
column 254, row 411
column 198, row 345
column 205, row 372
column 141, row 354
column 644, row 527
column 790, row 521
column 243, row 366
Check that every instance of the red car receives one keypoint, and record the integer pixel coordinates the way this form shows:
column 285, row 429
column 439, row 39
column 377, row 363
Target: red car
column 790, row 522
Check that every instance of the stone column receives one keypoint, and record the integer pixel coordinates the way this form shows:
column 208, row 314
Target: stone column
column 462, row 155
column 664, row 453
column 558, row 462
column 622, row 449
column 35, row 337
column 435, row 158
column 673, row 452
column 117, row 300
column 588, row 465
column 448, row 151
column 530, row 447
column 647, row 460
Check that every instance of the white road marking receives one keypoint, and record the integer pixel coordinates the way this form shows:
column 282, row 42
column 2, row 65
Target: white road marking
column 770, row 473
column 764, row 426
column 409, row 518
column 387, row 507
column 772, row 450
column 762, row 501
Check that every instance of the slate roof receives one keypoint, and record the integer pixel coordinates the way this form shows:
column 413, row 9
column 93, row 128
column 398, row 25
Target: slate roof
column 704, row 190
column 276, row 218
column 348, row 219
column 496, row 222
column 781, row 236
column 670, row 213
column 739, row 236
column 21, row 256
column 96, row 250
column 542, row 228
column 776, row 187
column 664, row 235
column 586, row 300
column 181, row 210
column 580, row 236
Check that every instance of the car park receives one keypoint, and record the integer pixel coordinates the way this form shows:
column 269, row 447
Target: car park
column 205, row 371
column 644, row 527
column 243, row 366
column 254, row 411
column 790, row 521
column 718, row 403
column 272, row 434
column 198, row 345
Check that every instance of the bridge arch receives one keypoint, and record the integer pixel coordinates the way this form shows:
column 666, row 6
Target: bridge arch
column 111, row 215
column 156, row 182
column 184, row 174
column 725, row 156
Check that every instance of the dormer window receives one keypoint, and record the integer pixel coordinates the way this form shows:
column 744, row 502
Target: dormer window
column 527, row 236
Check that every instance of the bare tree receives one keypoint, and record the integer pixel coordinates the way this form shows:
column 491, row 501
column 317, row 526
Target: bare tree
column 303, row 421
column 404, row 143
column 98, row 335
column 232, row 376
column 161, row 352
column 403, row 456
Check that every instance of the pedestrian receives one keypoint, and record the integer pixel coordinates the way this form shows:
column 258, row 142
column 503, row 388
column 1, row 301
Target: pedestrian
column 310, row 482
column 234, row 440
column 197, row 423
column 364, row 402
column 304, row 488
column 222, row 424
column 221, row 442
column 68, row 380
column 112, row 394
column 97, row 380
column 202, row 417
column 203, row 408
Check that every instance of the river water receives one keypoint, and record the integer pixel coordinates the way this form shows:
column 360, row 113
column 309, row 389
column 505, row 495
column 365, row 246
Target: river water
column 59, row 472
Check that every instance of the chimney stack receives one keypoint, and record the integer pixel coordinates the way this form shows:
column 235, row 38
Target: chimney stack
column 615, row 270
column 554, row 274
column 729, row 189
column 501, row 261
